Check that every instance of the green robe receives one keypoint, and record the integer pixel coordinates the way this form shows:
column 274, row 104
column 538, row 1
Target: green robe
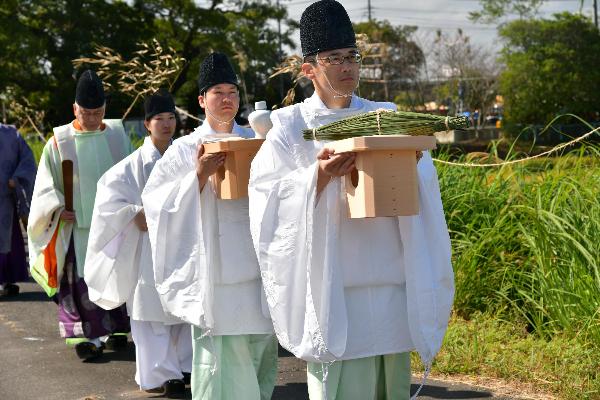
column 92, row 148
column 233, row 367
column 94, row 153
column 384, row 377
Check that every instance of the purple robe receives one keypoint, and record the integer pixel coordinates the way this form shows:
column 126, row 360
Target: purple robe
column 77, row 315
column 16, row 163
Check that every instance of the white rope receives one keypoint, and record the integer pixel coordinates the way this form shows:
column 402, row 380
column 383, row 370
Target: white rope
column 379, row 122
column 217, row 119
column 425, row 375
column 337, row 95
column 446, row 122
column 499, row 164
column 325, row 372
column 215, row 363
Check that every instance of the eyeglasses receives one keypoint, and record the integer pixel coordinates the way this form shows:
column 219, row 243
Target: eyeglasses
column 338, row 60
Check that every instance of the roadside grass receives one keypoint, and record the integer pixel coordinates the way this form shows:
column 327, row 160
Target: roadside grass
column 488, row 346
column 526, row 255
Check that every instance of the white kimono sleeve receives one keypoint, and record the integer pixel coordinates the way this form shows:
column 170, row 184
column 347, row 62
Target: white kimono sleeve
column 427, row 257
column 112, row 262
column 47, row 203
column 302, row 284
column 183, row 234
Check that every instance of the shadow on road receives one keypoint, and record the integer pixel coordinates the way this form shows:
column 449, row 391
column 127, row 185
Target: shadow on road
column 290, row 391
column 27, row 297
column 127, row 354
column 281, row 352
column 438, row 392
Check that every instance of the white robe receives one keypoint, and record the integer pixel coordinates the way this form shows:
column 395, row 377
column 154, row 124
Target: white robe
column 341, row 288
column 205, row 268
column 118, row 267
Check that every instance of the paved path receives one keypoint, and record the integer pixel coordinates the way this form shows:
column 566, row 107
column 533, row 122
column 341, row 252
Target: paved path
column 36, row 364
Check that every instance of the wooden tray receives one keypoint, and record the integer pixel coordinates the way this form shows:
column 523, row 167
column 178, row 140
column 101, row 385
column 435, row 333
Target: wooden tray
column 385, row 181
column 231, row 179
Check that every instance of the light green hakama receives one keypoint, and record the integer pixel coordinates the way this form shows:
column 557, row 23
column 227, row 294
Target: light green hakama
column 384, row 377
column 245, row 366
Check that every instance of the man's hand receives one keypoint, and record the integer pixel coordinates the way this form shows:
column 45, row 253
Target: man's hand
column 333, row 165
column 207, row 164
column 67, row 216
column 140, row 221
column 12, row 184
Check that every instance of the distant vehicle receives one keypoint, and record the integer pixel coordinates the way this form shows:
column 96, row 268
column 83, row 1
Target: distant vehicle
column 492, row 119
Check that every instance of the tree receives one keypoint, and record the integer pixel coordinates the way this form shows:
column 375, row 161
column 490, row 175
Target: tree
column 400, row 60
column 551, row 69
column 468, row 73
column 493, row 10
column 41, row 37
column 240, row 29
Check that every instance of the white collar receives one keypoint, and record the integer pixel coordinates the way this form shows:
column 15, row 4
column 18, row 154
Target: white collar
column 316, row 113
column 314, row 102
column 205, row 131
column 149, row 151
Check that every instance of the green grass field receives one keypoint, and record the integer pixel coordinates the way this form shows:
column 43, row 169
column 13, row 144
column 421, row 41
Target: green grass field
column 526, row 254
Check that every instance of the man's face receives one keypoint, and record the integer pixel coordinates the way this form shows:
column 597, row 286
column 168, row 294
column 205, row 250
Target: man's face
column 335, row 69
column 90, row 119
column 222, row 101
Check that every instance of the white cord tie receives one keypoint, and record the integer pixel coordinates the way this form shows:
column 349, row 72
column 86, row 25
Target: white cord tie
column 425, row 375
column 217, row 119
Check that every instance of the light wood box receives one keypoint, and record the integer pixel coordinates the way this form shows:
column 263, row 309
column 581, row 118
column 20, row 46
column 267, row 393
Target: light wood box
column 231, row 179
column 385, row 182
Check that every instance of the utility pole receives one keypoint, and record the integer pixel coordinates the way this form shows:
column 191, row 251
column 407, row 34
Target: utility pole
column 369, row 8
column 596, row 13
column 279, row 30
column 279, row 51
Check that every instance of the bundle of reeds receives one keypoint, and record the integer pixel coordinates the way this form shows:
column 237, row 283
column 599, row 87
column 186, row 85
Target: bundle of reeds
column 386, row 122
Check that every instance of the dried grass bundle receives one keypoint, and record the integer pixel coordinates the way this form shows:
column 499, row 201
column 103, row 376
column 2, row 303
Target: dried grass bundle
column 386, row 122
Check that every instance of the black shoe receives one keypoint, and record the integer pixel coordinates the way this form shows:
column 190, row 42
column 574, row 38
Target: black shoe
column 10, row 290
column 88, row 351
column 171, row 389
column 187, row 377
column 116, row 342
column 174, row 389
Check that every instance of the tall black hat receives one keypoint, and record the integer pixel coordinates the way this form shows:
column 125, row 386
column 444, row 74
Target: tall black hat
column 325, row 25
column 215, row 69
column 159, row 102
column 89, row 92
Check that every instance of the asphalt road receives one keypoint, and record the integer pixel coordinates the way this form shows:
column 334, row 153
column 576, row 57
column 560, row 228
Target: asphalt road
column 36, row 364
